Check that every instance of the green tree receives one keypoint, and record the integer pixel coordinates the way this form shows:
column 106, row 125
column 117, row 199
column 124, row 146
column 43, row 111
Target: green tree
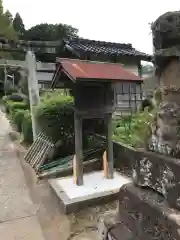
column 50, row 32
column 1, row 8
column 19, row 25
column 6, row 30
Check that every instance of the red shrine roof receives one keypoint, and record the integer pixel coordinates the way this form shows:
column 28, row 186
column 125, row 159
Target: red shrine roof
column 81, row 69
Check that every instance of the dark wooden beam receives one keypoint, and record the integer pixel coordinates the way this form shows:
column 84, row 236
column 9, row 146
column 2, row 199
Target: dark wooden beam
column 78, row 158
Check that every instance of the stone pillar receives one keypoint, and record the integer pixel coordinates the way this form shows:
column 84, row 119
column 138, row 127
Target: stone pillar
column 33, row 89
column 166, row 36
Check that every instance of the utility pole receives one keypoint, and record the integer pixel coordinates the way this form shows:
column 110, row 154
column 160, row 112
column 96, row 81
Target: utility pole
column 33, row 89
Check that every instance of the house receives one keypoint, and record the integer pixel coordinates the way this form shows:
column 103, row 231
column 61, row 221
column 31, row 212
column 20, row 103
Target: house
column 128, row 95
column 44, row 74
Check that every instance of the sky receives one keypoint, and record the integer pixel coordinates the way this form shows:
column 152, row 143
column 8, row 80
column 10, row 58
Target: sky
column 122, row 21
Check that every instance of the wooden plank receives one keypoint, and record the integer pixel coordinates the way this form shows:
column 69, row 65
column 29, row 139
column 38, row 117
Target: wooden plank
column 78, row 159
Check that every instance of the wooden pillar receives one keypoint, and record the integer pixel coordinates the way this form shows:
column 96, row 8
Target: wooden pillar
column 108, row 155
column 78, row 158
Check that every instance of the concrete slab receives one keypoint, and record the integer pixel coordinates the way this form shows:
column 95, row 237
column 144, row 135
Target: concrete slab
column 15, row 201
column 18, row 218
column 21, row 229
column 96, row 189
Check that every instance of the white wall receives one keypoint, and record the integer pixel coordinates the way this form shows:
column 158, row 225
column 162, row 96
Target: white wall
column 45, row 66
column 44, row 76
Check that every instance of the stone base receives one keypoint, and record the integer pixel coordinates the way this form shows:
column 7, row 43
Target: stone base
column 96, row 190
column 159, row 172
column 147, row 215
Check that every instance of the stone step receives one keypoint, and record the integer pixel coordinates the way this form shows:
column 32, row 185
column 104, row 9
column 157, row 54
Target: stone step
column 147, row 214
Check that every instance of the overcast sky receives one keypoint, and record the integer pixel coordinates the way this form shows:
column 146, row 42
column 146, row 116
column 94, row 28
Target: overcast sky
column 123, row 21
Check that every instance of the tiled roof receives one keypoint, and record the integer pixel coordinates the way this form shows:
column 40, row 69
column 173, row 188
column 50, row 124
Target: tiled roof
column 87, row 70
column 109, row 48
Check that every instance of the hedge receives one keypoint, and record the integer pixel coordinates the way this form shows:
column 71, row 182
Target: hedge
column 17, row 119
column 55, row 118
column 27, row 127
column 20, row 117
column 12, row 107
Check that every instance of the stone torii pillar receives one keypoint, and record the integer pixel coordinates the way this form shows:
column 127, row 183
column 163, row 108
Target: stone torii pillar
column 33, row 89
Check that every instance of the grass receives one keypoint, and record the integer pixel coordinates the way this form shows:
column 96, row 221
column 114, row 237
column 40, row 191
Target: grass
column 134, row 131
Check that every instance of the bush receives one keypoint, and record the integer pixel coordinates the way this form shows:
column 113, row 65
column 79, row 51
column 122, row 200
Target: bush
column 27, row 127
column 18, row 119
column 13, row 107
column 17, row 105
column 55, row 117
column 134, row 131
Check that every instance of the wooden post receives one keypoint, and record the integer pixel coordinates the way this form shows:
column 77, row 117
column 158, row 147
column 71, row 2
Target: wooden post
column 108, row 159
column 33, row 89
column 78, row 158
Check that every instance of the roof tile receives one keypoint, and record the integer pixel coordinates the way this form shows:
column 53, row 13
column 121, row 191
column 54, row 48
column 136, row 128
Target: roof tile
column 110, row 48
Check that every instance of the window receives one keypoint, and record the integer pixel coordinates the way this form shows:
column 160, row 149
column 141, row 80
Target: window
column 128, row 95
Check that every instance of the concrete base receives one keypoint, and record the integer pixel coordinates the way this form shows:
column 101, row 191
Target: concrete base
column 96, row 189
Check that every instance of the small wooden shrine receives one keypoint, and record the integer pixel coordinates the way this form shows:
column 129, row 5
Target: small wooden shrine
column 92, row 85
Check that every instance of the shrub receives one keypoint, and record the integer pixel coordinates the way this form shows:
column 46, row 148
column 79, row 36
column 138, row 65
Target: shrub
column 13, row 107
column 47, row 93
column 18, row 119
column 55, row 117
column 134, row 132
column 27, row 127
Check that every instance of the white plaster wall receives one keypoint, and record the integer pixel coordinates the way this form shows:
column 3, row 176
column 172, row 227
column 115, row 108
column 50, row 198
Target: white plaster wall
column 45, row 66
column 44, row 76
